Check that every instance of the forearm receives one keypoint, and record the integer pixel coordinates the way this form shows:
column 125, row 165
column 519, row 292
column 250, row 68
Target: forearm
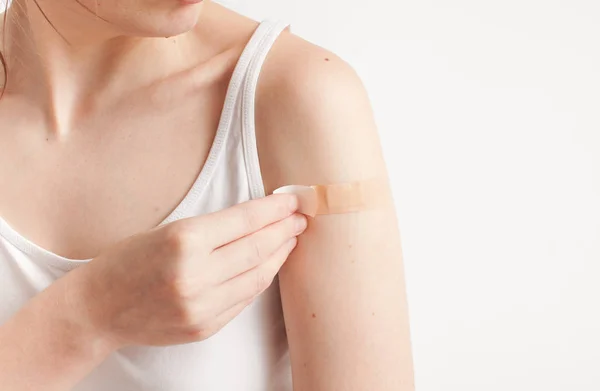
column 49, row 344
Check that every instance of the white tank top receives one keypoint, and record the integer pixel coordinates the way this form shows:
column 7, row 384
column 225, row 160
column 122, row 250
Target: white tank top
column 251, row 352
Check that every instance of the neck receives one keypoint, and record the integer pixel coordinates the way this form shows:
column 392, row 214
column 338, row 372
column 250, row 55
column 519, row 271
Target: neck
column 70, row 59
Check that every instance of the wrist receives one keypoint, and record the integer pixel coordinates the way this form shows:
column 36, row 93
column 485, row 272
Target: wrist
column 82, row 312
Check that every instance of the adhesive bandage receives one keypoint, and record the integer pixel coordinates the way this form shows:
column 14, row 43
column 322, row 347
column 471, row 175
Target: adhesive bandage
column 339, row 198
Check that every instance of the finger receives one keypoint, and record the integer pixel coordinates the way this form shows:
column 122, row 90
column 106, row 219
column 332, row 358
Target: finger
column 248, row 252
column 243, row 219
column 253, row 282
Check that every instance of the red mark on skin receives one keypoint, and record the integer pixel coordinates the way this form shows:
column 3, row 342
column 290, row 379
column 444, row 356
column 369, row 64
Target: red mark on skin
column 326, row 59
column 314, row 315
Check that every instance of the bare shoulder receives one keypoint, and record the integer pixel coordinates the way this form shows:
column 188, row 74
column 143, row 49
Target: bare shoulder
column 313, row 118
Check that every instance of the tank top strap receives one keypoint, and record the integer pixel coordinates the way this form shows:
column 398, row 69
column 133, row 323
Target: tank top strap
column 267, row 33
column 231, row 126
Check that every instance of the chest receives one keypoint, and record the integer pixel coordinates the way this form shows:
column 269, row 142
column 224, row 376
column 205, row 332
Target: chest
column 123, row 170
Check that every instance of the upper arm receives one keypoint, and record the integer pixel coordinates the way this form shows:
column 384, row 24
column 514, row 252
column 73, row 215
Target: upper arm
column 343, row 288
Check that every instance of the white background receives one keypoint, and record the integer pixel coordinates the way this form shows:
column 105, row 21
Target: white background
column 489, row 116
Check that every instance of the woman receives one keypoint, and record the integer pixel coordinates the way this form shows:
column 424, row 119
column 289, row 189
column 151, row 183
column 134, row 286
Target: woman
column 137, row 247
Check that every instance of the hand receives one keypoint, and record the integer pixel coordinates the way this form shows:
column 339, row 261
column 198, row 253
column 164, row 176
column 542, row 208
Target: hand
column 184, row 281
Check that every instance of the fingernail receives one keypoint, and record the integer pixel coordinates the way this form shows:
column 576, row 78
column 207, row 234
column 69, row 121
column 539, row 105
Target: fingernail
column 300, row 224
